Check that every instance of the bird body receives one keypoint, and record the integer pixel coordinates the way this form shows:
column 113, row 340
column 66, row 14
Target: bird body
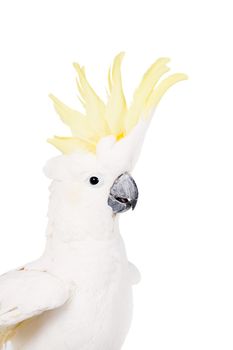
column 97, row 312
column 78, row 295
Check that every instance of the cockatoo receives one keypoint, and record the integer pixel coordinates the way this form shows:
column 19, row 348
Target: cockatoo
column 78, row 295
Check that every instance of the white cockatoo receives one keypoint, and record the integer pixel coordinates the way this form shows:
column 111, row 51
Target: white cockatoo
column 78, row 295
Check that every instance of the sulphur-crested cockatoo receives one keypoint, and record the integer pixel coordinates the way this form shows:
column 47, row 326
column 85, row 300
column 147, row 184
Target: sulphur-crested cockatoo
column 78, row 295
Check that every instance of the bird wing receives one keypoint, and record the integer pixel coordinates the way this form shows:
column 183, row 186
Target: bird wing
column 28, row 293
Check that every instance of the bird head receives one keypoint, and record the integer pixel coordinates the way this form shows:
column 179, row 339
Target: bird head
column 98, row 158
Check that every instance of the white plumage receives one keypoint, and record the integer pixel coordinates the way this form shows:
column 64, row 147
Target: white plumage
column 84, row 277
column 78, row 295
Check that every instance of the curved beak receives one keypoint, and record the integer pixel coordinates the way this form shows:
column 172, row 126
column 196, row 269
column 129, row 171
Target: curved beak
column 123, row 194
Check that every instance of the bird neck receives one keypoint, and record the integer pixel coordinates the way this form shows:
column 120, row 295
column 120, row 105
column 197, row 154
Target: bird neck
column 69, row 221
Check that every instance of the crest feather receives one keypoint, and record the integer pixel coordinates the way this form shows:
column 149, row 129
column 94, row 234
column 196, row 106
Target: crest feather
column 94, row 106
column 78, row 123
column 67, row 145
column 116, row 107
column 145, row 88
column 158, row 93
column 113, row 118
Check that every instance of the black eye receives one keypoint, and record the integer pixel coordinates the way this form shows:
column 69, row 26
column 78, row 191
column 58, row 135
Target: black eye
column 94, row 180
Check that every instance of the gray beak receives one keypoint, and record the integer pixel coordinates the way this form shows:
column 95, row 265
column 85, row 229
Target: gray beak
column 123, row 194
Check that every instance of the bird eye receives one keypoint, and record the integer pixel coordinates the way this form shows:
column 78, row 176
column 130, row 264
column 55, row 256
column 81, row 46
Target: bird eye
column 94, row 180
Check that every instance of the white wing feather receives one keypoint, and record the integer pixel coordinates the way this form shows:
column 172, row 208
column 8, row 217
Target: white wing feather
column 28, row 293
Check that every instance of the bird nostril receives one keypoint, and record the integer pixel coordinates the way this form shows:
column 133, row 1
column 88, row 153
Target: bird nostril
column 122, row 200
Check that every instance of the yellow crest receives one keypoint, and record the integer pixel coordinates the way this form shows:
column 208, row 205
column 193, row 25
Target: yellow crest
column 113, row 117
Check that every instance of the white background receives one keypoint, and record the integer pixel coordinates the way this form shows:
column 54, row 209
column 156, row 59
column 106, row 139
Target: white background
column 180, row 236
